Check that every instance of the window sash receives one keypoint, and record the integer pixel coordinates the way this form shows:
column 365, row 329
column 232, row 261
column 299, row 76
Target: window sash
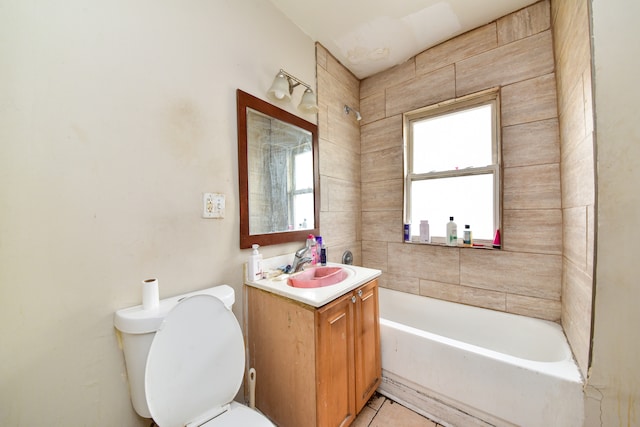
column 492, row 170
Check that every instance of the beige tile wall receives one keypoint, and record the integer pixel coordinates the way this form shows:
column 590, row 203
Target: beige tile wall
column 340, row 177
column 545, row 268
column 514, row 53
column 570, row 23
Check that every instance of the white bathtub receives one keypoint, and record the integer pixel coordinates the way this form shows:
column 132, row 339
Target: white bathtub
column 464, row 365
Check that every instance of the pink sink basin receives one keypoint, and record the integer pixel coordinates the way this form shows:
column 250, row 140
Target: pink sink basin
column 318, row 277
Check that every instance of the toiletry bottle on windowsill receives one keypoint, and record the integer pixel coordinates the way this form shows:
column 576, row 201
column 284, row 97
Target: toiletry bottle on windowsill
column 424, row 231
column 467, row 238
column 452, row 233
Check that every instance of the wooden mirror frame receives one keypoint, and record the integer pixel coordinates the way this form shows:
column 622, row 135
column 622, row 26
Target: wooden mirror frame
column 244, row 101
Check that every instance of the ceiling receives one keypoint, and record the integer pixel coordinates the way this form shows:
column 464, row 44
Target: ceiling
column 369, row 36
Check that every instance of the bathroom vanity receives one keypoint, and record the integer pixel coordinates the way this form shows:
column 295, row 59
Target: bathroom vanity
column 316, row 351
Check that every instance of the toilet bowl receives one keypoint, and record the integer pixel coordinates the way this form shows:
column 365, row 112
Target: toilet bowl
column 185, row 361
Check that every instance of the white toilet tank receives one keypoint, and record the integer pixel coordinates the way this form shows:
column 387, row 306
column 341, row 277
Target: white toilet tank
column 138, row 327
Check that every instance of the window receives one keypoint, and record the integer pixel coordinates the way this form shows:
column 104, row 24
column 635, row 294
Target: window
column 452, row 166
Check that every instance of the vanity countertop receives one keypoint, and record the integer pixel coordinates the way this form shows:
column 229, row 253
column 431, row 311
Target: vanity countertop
column 318, row 297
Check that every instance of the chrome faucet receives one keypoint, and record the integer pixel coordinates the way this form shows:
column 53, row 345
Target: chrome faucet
column 299, row 260
column 300, row 264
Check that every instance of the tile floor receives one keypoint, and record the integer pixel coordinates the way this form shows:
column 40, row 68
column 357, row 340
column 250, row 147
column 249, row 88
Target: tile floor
column 383, row 412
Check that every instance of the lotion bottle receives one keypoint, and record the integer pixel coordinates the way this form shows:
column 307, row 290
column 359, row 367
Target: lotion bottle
column 424, row 231
column 255, row 264
column 452, row 233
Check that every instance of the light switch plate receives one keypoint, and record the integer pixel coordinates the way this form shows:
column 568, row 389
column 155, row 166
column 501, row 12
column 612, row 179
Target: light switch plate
column 213, row 205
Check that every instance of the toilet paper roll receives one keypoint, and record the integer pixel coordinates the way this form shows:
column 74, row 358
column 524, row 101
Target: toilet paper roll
column 150, row 294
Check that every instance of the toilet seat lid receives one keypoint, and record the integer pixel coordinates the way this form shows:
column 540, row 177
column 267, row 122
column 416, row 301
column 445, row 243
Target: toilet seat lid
column 195, row 362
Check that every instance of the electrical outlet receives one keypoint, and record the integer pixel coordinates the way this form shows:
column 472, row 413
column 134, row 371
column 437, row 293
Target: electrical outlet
column 213, row 205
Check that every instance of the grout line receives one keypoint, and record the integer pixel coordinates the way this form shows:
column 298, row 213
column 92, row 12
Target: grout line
column 377, row 411
column 385, row 399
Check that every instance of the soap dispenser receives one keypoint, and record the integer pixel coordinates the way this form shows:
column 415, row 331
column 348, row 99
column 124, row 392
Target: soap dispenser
column 255, row 264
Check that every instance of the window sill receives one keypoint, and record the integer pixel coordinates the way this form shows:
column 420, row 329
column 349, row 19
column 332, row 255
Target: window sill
column 481, row 244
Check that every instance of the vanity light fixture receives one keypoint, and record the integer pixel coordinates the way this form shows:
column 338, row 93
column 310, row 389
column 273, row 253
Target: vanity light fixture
column 348, row 109
column 282, row 89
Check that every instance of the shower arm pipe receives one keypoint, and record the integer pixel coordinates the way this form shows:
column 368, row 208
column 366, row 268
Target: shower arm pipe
column 348, row 109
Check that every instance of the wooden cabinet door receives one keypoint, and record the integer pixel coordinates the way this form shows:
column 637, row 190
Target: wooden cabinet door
column 335, row 374
column 280, row 342
column 367, row 345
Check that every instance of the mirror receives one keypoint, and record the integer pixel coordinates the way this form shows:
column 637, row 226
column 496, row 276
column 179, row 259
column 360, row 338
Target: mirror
column 278, row 174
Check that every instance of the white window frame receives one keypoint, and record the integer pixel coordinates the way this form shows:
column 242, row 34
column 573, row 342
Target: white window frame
column 490, row 96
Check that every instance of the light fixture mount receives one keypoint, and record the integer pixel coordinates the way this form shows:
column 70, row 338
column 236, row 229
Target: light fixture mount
column 282, row 89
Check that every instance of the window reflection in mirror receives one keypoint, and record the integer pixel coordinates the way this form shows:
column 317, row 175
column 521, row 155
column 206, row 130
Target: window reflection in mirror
column 280, row 180
column 278, row 174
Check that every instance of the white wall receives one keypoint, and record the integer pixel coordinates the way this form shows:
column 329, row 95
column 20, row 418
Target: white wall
column 614, row 383
column 115, row 117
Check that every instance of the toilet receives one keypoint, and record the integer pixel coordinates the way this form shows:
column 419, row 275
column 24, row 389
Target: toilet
column 185, row 361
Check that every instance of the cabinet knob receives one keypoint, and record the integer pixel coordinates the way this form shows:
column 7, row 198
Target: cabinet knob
column 353, row 299
column 360, row 293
